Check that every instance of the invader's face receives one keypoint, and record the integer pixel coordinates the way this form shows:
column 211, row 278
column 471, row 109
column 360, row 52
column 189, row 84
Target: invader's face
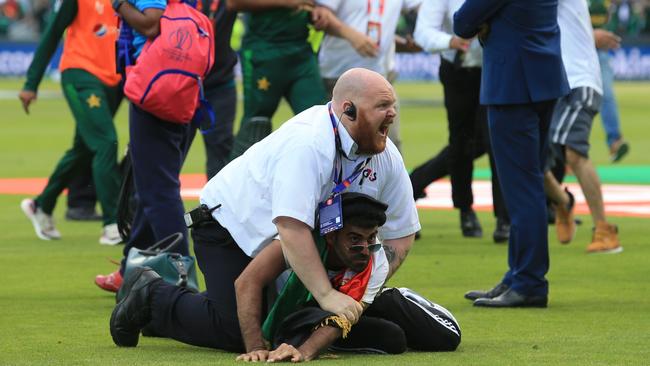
column 353, row 245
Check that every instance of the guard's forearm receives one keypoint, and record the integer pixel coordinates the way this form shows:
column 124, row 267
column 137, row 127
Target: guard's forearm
column 319, row 340
column 396, row 252
column 300, row 251
column 146, row 23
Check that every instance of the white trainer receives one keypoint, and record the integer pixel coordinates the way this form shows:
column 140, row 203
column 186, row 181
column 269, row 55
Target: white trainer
column 110, row 235
column 42, row 222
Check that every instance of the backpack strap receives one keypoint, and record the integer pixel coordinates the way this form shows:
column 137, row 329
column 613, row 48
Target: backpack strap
column 203, row 109
column 124, row 49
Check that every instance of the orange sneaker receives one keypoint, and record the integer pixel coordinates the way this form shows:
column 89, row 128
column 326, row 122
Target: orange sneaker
column 565, row 223
column 605, row 239
column 111, row 282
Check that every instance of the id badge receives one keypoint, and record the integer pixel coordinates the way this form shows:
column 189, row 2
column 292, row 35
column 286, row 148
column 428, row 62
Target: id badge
column 374, row 31
column 330, row 215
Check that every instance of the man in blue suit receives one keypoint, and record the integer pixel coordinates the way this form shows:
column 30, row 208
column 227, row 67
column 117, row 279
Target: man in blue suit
column 523, row 75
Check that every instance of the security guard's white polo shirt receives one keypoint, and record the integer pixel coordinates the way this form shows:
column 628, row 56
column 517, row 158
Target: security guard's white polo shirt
column 290, row 171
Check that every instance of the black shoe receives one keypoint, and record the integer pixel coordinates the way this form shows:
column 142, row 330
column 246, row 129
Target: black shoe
column 82, row 214
column 501, row 232
column 513, row 299
column 496, row 291
column 469, row 224
column 134, row 311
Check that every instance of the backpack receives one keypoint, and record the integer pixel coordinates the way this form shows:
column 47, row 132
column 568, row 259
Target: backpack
column 167, row 78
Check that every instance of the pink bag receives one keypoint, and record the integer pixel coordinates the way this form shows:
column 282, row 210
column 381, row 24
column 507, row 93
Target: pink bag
column 167, row 78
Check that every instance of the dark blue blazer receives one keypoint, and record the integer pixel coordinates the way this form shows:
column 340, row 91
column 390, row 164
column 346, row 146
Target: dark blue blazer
column 522, row 61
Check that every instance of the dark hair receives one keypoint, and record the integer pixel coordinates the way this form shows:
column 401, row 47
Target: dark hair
column 362, row 210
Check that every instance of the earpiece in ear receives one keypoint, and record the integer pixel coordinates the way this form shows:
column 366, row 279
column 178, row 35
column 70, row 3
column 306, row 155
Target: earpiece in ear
column 351, row 111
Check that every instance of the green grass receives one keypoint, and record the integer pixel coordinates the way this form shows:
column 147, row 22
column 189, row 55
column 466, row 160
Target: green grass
column 52, row 313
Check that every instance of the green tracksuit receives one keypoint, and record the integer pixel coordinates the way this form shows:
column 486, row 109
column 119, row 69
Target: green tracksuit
column 93, row 106
column 277, row 61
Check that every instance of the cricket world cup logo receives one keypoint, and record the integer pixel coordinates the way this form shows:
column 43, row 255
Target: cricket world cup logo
column 180, row 39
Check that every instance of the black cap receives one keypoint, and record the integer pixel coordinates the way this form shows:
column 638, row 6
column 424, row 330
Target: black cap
column 359, row 207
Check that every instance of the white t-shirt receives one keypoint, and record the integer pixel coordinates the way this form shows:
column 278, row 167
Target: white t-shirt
column 434, row 30
column 290, row 171
column 337, row 55
column 578, row 48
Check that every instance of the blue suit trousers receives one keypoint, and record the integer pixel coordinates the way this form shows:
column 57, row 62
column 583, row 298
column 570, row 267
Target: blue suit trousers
column 519, row 141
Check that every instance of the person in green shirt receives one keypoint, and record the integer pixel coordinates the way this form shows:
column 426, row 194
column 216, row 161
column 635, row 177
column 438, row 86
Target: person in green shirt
column 91, row 88
column 599, row 11
column 277, row 61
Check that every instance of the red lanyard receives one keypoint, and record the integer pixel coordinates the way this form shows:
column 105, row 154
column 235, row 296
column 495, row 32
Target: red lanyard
column 381, row 7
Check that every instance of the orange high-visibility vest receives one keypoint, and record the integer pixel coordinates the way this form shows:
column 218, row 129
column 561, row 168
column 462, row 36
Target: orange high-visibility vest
column 90, row 41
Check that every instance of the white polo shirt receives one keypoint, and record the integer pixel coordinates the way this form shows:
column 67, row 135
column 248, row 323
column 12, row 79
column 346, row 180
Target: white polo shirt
column 290, row 171
column 337, row 55
column 578, row 46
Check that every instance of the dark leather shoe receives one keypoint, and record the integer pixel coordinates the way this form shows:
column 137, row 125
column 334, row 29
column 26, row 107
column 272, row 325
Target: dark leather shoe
column 134, row 311
column 501, row 232
column 82, row 214
column 496, row 291
column 513, row 299
column 469, row 224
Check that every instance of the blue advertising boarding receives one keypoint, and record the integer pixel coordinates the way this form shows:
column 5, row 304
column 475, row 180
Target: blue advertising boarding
column 628, row 63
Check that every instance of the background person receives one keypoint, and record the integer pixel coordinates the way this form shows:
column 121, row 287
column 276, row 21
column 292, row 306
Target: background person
column 90, row 86
column 277, row 62
column 363, row 36
column 157, row 149
column 523, row 77
column 600, row 11
column 460, row 75
column 571, row 126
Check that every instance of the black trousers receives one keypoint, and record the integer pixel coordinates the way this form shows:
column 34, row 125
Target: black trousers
column 158, row 149
column 394, row 323
column 208, row 319
column 468, row 139
column 218, row 142
column 81, row 190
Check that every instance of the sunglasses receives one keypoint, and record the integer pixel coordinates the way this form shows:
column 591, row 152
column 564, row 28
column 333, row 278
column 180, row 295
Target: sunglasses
column 359, row 248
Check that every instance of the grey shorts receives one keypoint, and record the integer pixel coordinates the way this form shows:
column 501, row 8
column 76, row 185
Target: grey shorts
column 572, row 120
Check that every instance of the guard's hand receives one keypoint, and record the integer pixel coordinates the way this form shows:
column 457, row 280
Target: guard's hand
column 254, row 356
column 364, row 45
column 460, row 44
column 606, row 40
column 342, row 305
column 27, row 97
column 285, row 352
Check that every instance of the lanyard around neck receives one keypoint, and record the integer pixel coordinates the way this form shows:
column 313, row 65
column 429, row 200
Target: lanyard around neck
column 342, row 184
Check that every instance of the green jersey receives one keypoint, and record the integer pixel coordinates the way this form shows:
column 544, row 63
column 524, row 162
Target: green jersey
column 276, row 32
column 599, row 11
column 61, row 19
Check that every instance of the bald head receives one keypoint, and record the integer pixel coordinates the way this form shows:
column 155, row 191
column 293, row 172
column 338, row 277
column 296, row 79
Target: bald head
column 366, row 105
column 356, row 83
